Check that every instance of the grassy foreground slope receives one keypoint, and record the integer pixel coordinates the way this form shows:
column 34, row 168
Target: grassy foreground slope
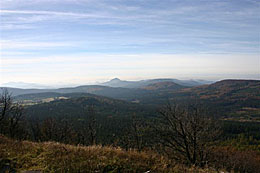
column 22, row 156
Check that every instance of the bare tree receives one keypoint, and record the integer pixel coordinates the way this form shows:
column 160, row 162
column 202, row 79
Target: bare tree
column 15, row 119
column 186, row 132
column 6, row 106
column 11, row 115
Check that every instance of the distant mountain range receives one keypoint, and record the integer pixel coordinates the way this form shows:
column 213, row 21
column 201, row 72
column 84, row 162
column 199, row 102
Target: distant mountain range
column 128, row 90
column 142, row 83
column 238, row 98
column 112, row 83
column 128, row 94
column 115, row 88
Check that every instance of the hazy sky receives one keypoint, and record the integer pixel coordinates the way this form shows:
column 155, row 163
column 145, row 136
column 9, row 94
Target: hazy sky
column 81, row 41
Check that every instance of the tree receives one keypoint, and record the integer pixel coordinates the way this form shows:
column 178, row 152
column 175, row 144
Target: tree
column 186, row 132
column 92, row 125
column 11, row 115
column 35, row 129
column 5, row 108
column 14, row 120
column 137, row 129
column 49, row 129
column 66, row 132
column 136, row 133
column 87, row 133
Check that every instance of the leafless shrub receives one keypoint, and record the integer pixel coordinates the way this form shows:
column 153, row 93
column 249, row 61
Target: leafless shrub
column 185, row 133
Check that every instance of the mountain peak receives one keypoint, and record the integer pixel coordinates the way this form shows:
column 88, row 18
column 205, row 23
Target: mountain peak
column 115, row 79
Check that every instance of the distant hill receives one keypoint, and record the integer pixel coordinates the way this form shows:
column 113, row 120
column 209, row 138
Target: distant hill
column 31, row 99
column 112, row 115
column 19, row 91
column 115, row 88
column 163, row 86
column 119, row 93
column 129, row 94
column 240, row 98
column 142, row 83
column 222, row 90
column 116, row 82
column 37, row 96
column 224, row 97
column 77, row 106
column 228, row 89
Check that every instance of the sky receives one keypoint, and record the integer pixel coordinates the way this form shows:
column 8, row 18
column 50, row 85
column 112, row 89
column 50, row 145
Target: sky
column 85, row 41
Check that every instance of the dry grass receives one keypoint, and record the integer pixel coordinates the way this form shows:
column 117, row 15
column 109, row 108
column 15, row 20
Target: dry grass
column 55, row 157
column 236, row 160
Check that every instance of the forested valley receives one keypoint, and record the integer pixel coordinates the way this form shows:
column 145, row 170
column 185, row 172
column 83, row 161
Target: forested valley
column 213, row 127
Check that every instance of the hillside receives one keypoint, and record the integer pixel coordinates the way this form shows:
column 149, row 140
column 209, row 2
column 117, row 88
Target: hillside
column 37, row 98
column 164, row 86
column 113, row 116
column 228, row 89
column 54, row 157
column 226, row 98
column 235, row 98
column 76, row 106
column 232, row 102
column 26, row 156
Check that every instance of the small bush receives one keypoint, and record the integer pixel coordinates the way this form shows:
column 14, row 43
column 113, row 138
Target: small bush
column 236, row 160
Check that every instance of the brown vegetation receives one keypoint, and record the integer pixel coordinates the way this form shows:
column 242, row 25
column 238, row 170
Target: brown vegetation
column 56, row 157
column 232, row 159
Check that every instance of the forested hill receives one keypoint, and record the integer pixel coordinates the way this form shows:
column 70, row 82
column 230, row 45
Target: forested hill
column 88, row 119
column 240, row 98
column 225, row 97
column 111, row 116
column 93, row 89
column 77, row 107
column 228, row 89
column 164, row 86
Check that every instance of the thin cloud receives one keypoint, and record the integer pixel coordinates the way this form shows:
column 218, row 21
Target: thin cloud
column 7, row 44
column 55, row 13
